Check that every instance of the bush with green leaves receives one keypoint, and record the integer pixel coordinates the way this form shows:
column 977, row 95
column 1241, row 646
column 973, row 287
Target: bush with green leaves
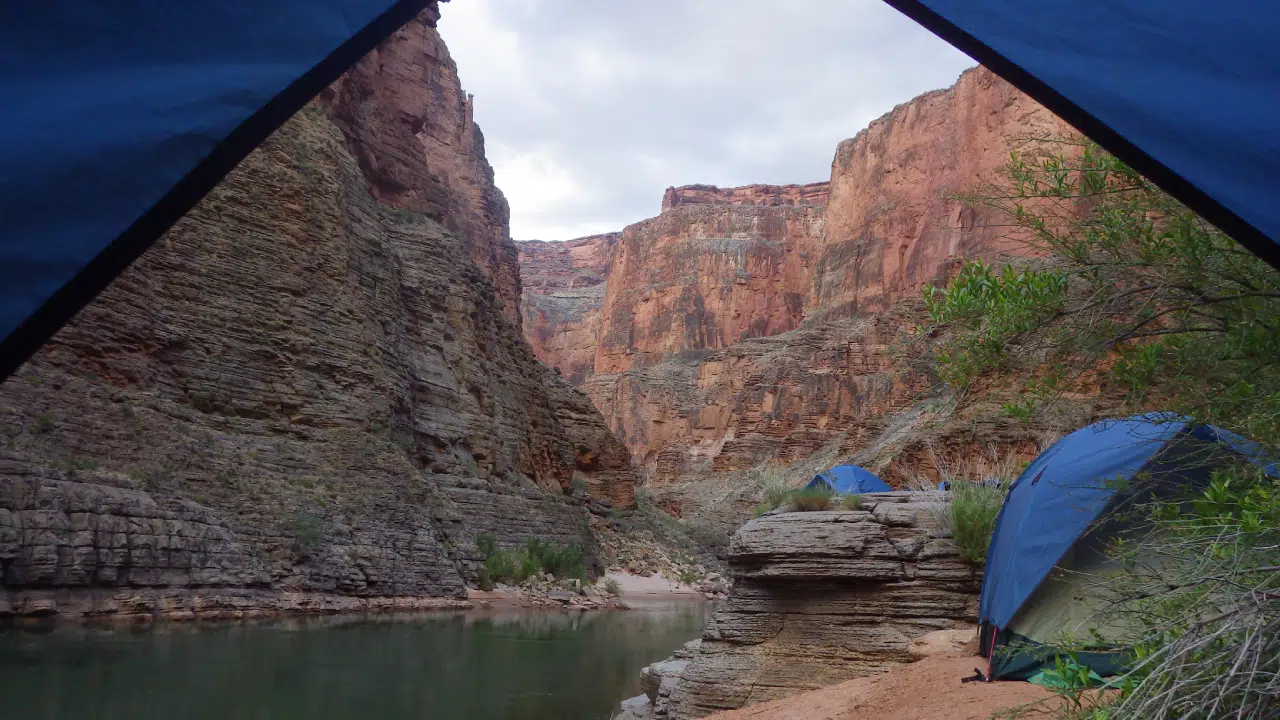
column 536, row 556
column 1130, row 286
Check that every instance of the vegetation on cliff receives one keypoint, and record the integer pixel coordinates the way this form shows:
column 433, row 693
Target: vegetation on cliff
column 537, row 556
column 1136, row 295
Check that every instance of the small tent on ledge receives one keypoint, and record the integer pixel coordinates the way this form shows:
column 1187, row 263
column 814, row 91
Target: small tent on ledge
column 849, row 480
column 1051, row 536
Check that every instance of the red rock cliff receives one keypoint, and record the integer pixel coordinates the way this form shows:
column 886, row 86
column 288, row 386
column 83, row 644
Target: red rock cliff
column 564, row 288
column 764, row 195
column 701, row 277
column 702, row 363
column 303, row 398
column 892, row 223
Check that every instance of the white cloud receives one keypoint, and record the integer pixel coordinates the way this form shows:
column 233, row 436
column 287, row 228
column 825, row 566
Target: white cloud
column 591, row 108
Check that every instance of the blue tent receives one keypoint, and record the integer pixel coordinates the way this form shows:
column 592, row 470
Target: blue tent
column 849, row 480
column 119, row 117
column 1051, row 520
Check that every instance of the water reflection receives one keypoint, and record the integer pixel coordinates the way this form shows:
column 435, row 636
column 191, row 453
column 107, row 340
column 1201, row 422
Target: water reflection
column 515, row 664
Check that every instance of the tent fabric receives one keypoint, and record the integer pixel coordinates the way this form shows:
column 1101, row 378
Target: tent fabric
column 119, row 117
column 1071, row 482
column 850, row 480
column 1187, row 97
column 1048, row 537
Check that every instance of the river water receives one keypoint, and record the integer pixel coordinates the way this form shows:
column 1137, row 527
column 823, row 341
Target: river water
column 495, row 665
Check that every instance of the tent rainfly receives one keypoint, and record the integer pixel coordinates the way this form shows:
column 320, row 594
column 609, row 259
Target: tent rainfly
column 1051, row 536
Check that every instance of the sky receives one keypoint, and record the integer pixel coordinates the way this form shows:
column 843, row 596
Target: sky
column 591, row 108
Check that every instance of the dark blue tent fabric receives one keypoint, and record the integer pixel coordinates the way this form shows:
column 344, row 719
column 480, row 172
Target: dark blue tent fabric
column 850, row 480
column 1064, row 490
column 119, row 116
column 1184, row 92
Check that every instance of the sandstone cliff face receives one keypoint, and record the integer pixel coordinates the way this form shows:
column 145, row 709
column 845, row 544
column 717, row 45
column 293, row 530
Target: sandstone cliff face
column 892, row 221
column 755, row 324
column 564, row 288
column 302, row 398
column 823, row 597
column 764, row 195
column 704, row 277
column 779, row 398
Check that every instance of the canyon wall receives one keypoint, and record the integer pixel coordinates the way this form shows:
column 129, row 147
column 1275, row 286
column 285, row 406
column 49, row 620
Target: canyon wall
column 564, row 288
column 758, row 324
column 313, row 393
column 704, row 277
column 822, row 597
column 764, row 195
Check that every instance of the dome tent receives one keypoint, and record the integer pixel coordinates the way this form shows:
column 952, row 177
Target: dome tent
column 1052, row 533
column 849, row 480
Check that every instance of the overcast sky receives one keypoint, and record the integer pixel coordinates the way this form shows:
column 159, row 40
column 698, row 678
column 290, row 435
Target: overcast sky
column 591, row 108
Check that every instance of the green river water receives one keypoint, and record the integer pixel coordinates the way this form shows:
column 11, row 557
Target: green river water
column 520, row 664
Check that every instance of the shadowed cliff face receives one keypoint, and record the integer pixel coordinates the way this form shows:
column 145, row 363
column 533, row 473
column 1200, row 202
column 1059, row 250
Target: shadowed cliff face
column 302, row 389
column 756, row 324
column 409, row 125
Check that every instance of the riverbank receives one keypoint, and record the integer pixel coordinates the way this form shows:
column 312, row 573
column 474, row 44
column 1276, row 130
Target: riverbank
column 179, row 605
column 144, row 605
column 616, row 590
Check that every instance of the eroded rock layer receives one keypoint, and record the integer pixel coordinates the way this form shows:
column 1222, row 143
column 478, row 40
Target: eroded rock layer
column 701, row 277
column 810, row 194
column 564, row 288
column 313, row 394
column 757, row 324
column 822, row 597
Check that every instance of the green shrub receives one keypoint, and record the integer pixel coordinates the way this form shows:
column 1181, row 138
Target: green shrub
column 307, row 529
column 611, row 587
column 810, row 499
column 851, row 502
column 537, row 556
column 73, row 464
column 43, row 423
column 763, row 508
column 972, row 517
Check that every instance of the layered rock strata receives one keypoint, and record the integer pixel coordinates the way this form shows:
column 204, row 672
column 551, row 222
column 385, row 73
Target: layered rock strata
column 766, row 195
column 312, row 394
column 564, row 288
column 757, row 324
column 701, row 277
column 822, row 597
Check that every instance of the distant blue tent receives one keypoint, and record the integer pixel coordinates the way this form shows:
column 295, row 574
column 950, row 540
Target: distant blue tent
column 849, row 480
column 1050, row 521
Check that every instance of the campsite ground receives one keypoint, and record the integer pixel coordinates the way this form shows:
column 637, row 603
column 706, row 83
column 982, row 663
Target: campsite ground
column 925, row 690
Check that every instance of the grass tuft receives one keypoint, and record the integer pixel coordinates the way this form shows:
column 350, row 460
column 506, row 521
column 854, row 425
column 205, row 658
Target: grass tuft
column 972, row 516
